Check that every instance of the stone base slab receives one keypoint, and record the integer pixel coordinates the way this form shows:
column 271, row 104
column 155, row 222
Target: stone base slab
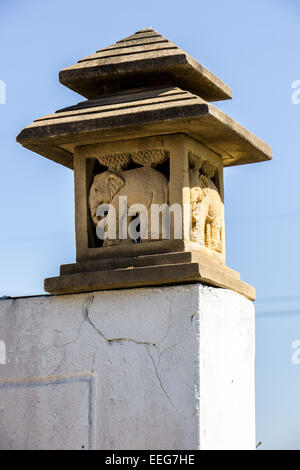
column 149, row 270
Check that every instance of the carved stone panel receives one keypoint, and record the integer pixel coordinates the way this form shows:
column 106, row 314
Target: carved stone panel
column 174, row 171
column 206, row 204
column 141, row 186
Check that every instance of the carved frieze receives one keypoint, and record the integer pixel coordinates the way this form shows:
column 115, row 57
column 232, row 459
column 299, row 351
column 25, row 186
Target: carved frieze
column 152, row 157
column 120, row 161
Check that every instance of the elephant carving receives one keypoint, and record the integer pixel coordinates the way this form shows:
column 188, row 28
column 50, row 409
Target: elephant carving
column 207, row 212
column 142, row 185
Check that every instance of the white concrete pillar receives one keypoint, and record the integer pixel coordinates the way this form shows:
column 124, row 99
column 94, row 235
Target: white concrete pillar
column 148, row 368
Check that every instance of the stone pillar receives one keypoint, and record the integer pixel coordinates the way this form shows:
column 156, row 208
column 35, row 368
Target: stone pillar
column 149, row 368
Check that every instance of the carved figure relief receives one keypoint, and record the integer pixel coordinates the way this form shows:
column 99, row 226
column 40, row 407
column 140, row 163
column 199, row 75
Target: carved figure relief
column 207, row 207
column 143, row 185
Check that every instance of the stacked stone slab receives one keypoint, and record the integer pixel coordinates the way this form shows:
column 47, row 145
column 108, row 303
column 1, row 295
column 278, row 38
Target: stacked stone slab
column 147, row 106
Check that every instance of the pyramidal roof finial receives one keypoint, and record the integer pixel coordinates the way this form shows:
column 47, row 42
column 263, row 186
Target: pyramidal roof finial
column 144, row 58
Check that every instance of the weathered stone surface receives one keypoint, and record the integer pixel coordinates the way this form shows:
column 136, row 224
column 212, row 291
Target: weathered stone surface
column 149, row 368
column 138, row 114
column 146, row 57
column 170, row 184
column 139, row 273
column 102, row 264
column 202, row 229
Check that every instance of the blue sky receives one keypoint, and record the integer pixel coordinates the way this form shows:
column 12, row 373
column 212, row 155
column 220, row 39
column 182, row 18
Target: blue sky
column 252, row 46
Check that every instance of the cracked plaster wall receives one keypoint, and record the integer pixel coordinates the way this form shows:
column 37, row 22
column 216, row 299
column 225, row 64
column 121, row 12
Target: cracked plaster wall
column 148, row 368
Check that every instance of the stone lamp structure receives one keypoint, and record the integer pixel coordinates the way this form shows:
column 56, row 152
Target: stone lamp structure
column 154, row 345
column 147, row 131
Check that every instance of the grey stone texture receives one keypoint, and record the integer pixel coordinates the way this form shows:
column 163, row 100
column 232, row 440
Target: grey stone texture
column 147, row 57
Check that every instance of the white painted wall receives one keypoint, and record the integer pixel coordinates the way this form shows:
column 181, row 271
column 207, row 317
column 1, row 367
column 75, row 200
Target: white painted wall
column 148, row 368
